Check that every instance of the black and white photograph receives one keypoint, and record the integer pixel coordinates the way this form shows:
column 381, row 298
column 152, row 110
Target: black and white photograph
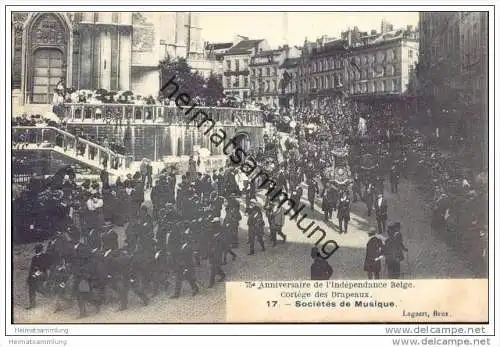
column 157, row 156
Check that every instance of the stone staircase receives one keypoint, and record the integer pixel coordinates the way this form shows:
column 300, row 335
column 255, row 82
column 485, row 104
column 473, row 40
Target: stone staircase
column 45, row 138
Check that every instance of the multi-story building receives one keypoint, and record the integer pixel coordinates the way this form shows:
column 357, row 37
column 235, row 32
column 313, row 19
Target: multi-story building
column 92, row 50
column 439, row 59
column 236, row 73
column 289, row 82
column 381, row 64
column 266, row 74
column 474, row 61
column 360, row 65
column 453, row 74
column 321, row 70
column 214, row 52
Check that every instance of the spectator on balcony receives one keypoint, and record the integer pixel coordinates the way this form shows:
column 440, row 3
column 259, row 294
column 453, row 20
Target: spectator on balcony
column 82, row 98
column 93, row 100
column 61, row 86
column 98, row 113
column 140, row 101
column 73, row 96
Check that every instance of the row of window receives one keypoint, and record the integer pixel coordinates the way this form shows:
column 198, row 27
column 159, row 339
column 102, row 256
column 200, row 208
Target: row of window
column 368, row 73
column 318, row 83
column 379, row 57
column 264, row 71
column 390, row 85
column 323, row 65
column 265, row 86
column 229, row 64
column 321, row 82
column 235, row 83
column 330, row 63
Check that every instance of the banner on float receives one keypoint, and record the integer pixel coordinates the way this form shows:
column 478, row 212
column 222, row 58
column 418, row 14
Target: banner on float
column 370, row 301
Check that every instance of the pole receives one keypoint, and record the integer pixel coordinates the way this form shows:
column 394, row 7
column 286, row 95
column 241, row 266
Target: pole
column 188, row 48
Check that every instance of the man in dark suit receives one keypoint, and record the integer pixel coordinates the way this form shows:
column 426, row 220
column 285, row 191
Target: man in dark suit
column 393, row 250
column 381, row 213
column 369, row 197
column 394, row 178
column 109, row 237
column 320, row 269
column 255, row 227
column 104, row 176
column 344, row 211
column 374, row 248
column 126, row 278
column 216, row 251
column 312, row 190
column 356, row 188
column 184, row 270
column 329, row 201
column 37, row 274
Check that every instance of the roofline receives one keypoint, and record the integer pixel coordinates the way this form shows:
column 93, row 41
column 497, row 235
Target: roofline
column 381, row 43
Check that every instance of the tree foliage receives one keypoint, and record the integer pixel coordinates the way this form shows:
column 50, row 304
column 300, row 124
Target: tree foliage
column 189, row 81
column 214, row 90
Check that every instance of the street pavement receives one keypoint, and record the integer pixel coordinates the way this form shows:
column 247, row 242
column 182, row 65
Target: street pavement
column 429, row 257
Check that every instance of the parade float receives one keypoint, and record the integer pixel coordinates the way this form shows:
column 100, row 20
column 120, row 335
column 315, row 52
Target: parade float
column 337, row 171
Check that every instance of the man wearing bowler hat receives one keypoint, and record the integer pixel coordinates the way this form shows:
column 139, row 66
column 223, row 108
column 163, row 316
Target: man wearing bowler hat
column 374, row 249
column 37, row 274
column 393, row 250
column 255, row 226
column 381, row 213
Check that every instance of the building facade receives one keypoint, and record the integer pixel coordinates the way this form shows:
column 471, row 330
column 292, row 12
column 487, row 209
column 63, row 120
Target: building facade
column 360, row 65
column 92, row 50
column 453, row 76
column 439, row 59
column 236, row 72
column 214, row 53
column 382, row 65
column 321, row 71
column 288, row 86
column 453, row 68
column 267, row 73
column 474, row 60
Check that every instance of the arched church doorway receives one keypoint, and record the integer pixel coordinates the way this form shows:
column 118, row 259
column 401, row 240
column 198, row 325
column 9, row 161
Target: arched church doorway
column 47, row 46
column 47, row 72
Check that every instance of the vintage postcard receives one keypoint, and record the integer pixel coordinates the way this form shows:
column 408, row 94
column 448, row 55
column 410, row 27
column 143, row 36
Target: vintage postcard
column 249, row 167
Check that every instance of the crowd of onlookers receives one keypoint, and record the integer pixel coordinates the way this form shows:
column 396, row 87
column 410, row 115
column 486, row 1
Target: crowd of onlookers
column 458, row 194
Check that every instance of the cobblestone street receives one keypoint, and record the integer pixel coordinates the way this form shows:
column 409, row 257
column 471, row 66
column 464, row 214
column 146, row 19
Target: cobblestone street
column 429, row 256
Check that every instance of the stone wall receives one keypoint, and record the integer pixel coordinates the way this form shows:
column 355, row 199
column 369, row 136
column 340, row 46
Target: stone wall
column 156, row 142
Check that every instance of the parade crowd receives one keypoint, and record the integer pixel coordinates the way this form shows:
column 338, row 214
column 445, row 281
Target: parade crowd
column 195, row 218
column 192, row 222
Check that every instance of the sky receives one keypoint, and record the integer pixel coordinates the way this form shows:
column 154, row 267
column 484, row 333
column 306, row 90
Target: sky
column 223, row 26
